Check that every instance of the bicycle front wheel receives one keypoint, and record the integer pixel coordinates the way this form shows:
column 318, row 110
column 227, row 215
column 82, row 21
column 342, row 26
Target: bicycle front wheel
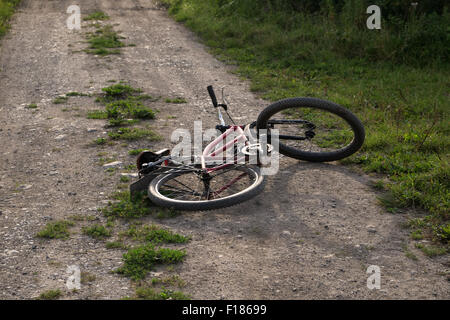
column 194, row 190
column 313, row 129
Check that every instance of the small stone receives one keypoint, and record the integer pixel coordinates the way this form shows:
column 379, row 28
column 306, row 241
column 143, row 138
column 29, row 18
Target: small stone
column 286, row 233
column 72, row 194
column 112, row 164
column 371, row 228
column 60, row 137
column 129, row 175
column 25, row 186
column 91, row 130
column 53, row 173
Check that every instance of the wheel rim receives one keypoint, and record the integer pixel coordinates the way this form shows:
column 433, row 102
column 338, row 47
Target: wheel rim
column 189, row 187
column 312, row 130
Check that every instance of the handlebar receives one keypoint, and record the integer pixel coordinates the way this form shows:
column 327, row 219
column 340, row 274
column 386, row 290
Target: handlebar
column 212, row 95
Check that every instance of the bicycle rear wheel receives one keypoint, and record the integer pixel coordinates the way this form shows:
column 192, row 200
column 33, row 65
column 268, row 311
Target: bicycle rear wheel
column 313, row 129
column 192, row 190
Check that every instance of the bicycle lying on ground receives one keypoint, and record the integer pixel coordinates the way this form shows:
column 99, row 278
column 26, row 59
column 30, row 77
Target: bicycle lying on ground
column 308, row 129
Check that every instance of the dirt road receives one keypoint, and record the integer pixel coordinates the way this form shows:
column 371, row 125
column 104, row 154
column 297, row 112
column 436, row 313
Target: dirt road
column 311, row 234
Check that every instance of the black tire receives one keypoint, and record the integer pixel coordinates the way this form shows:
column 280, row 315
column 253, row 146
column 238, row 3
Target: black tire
column 355, row 126
column 202, row 205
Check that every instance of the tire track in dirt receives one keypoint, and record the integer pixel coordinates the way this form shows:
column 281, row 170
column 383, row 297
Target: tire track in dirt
column 305, row 237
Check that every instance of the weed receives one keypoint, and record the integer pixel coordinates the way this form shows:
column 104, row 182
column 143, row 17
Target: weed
column 155, row 234
column 119, row 91
column 104, row 42
column 56, row 230
column 76, row 94
column 135, row 152
column 417, row 235
column 60, row 100
column 97, row 114
column 127, row 208
column 408, row 253
column 133, row 134
column 50, row 295
column 97, row 231
column 100, row 141
column 97, row 15
column 86, row 277
column 6, row 11
column 173, row 281
column 431, row 251
column 124, row 179
column 140, row 260
column 175, row 100
column 146, row 293
column 32, row 106
column 115, row 245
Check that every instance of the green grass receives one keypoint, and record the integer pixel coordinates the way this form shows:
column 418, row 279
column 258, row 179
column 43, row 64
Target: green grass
column 140, row 260
column 60, row 100
column 120, row 111
column 394, row 79
column 123, row 105
column 56, row 230
column 148, row 293
column 175, row 100
column 173, row 280
column 76, row 94
column 124, row 179
column 154, row 234
column 104, row 41
column 135, row 152
column 100, row 141
column 6, row 11
column 119, row 91
column 115, row 245
column 128, row 208
column 32, row 106
column 50, row 295
column 432, row 251
column 124, row 207
column 97, row 114
column 131, row 134
column 97, row 232
column 97, row 15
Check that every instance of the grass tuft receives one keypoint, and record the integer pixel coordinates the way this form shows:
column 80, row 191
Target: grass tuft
column 154, row 234
column 50, row 295
column 147, row 293
column 140, row 260
column 97, row 232
column 97, row 15
column 104, row 41
column 56, row 230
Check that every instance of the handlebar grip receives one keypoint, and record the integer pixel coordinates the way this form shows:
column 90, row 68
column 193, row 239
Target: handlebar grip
column 212, row 95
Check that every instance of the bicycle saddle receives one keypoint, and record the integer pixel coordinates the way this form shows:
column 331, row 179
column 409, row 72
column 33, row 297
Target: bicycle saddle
column 147, row 156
